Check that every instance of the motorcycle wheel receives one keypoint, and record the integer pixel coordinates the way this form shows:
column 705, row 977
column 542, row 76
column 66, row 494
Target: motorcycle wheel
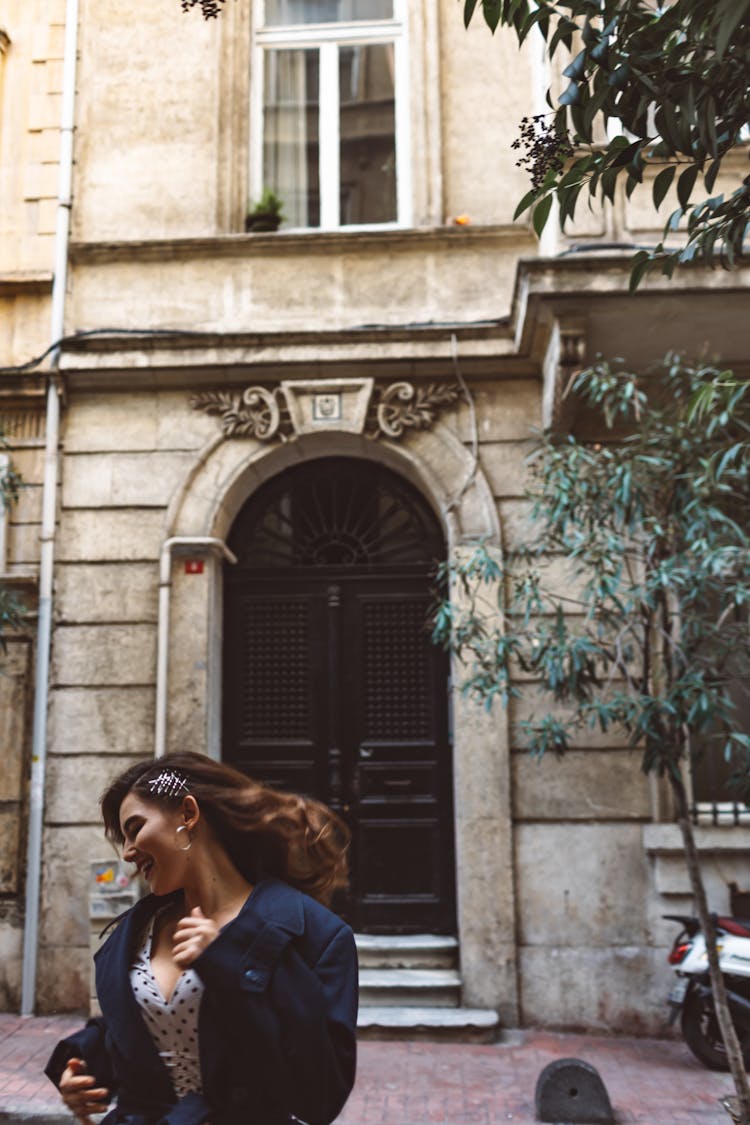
column 700, row 1029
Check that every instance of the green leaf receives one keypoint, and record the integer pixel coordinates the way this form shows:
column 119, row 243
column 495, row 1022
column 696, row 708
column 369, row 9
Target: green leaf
column 662, row 184
column 541, row 214
column 639, row 267
column 568, row 198
column 627, row 155
column 711, row 174
column 592, row 107
column 577, row 68
column 685, row 185
column 531, row 20
column 619, row 77
column 526, row 202
column 492, row 10
column 733, row 15
column 469, row 8
column 666, row 123
column 707, row 125
column 608, row 182
column 571, row 95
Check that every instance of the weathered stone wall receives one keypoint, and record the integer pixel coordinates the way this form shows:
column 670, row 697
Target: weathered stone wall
column 561, row 875
column 23, row 427
column 123, row 456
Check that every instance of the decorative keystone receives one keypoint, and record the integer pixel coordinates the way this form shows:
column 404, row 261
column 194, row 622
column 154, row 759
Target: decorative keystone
column 296, row 407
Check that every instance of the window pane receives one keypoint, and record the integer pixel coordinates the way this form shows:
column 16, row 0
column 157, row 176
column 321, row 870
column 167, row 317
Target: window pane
column 368, row 135
column 712, row 774
column 287, row 12
column 290, row 134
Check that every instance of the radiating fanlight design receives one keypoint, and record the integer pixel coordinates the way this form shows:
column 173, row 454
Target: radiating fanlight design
column 336, row 512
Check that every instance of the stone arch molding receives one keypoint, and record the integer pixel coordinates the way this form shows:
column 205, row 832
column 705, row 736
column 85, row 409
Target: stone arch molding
column 229, row 470
column 226, row 472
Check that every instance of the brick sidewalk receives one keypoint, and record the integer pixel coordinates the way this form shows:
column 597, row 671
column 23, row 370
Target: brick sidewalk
column 650, row 1081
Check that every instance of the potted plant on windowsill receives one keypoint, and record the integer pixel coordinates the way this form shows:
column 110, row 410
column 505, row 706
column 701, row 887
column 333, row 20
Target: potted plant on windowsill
column 266, row 214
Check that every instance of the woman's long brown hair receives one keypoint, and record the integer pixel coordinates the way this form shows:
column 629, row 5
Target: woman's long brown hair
column 264, row 832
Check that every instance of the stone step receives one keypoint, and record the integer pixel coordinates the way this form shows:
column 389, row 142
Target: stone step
column 456, row 1025
column 409, row 987
column 407, row 951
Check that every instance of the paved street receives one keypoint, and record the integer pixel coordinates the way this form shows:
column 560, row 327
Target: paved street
column 650, row 1081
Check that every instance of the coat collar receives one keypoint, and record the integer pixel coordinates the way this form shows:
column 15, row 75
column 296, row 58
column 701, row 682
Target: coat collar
column 272, row 902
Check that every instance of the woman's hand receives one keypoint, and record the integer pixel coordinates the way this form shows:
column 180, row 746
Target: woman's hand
column 76, row 1088
column 191, row 936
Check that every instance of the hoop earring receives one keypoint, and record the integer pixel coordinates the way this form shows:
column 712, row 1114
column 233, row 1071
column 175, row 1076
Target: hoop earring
column 184, row 828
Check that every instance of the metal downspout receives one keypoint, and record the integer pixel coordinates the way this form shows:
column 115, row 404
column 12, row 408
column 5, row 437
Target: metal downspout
column 186, row 542
column 49, row 507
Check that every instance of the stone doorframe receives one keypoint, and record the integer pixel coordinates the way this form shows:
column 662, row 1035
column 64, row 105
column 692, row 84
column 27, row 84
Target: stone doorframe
column 226, row 472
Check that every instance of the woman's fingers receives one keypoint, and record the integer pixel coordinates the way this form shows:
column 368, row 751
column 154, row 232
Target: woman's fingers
column 191, row 936
column 78, row 1091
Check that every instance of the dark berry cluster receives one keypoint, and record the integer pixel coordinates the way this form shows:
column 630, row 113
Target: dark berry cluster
column 544, row 147
column 209, row 8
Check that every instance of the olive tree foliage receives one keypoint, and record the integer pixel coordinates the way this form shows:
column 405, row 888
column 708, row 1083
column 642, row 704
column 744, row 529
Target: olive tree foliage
column 647, row 633
column 651, row 522
column 672, row 80
column 10, row 607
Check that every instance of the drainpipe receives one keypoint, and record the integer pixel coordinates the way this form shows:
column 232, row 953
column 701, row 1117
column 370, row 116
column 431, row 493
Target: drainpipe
column 196, row 544
column 49, row 507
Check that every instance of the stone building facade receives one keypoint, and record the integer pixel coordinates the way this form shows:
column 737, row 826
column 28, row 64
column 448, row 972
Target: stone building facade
column 209, row 375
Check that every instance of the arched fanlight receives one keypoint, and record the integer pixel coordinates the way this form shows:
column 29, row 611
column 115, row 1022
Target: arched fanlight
column 336, row 512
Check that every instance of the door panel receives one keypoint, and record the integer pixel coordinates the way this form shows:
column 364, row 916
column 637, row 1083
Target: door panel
column 401, row 765
column 274, row 725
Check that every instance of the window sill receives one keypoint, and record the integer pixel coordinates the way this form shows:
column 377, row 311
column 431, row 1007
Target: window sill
column 346, row 239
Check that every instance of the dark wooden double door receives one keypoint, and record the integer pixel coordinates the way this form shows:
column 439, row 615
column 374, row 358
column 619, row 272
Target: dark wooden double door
column 333, row 688
column 338, row 693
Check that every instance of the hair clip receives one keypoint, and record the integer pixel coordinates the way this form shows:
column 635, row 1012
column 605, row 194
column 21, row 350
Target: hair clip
column 167, row 784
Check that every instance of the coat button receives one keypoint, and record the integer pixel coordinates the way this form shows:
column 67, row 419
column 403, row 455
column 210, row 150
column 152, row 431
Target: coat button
column 252, row 974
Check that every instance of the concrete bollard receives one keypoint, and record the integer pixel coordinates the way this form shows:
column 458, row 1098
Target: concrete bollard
column 570, row 1092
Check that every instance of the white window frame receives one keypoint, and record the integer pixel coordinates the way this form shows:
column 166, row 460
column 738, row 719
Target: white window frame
column 327, row 37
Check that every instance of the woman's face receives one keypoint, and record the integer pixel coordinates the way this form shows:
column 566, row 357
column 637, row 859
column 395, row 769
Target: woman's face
column 152, row 842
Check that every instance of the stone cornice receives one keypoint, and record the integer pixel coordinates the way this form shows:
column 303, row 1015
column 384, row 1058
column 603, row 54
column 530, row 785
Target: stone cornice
column 25, row 281
column 515, row 238
column 204, row 360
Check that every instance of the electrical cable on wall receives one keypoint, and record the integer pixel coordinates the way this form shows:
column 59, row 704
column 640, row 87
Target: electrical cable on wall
column 17, row 368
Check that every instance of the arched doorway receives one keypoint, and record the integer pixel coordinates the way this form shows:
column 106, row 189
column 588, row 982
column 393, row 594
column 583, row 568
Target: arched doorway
column 331, row 684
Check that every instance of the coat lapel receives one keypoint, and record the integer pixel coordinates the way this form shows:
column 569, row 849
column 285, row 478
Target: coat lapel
column 120, row 1007
column 272, row 906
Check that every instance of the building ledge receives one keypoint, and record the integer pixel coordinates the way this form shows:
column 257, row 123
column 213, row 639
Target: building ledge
column 25, row 281
column 666, row 839
column 515, row 237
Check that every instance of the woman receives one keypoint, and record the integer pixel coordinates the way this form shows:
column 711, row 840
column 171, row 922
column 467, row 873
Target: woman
column 229, row 993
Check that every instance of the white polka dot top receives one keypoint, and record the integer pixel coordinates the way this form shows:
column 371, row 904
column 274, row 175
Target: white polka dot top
column 173, row 1023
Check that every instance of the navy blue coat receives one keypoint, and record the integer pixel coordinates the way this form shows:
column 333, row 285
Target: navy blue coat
column 276, row 1029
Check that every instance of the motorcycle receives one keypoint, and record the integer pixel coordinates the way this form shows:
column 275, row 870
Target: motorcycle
column 691, row 998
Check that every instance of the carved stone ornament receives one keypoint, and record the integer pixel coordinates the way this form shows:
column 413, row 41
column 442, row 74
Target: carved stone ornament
column 253, row 412
column 298, row 407
column 403, row 406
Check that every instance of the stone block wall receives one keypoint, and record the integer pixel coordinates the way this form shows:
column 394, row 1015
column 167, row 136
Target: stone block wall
column 587, row 952
column 123, row 458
